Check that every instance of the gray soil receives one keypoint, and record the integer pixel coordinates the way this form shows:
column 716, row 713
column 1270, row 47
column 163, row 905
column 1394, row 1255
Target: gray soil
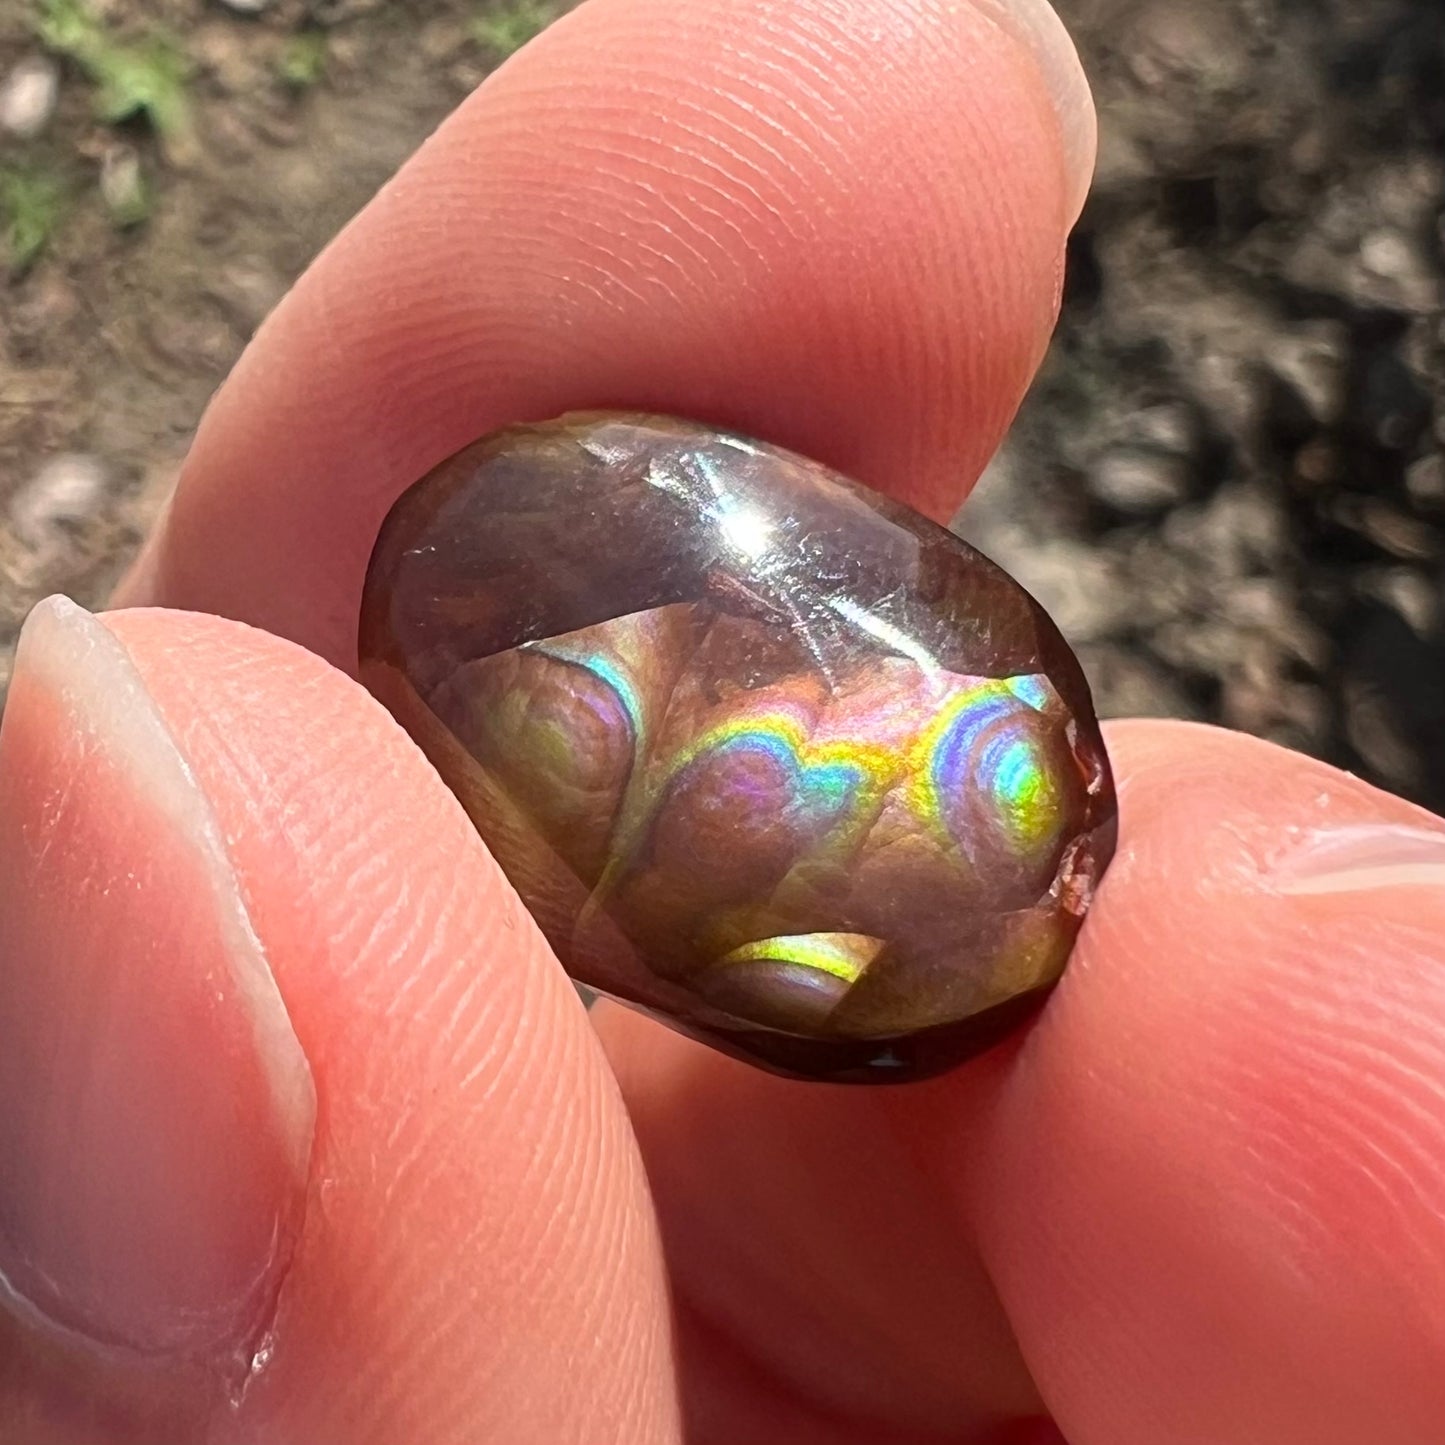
column 1234, row 460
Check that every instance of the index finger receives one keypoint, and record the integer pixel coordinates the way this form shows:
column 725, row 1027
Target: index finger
column 836, row 224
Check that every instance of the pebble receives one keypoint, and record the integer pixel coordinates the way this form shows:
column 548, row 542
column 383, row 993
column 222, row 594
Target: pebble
column 1169, row 426
column 1396, row 532
column 1311, row 361
column 1425, row 479
column 122, row 185
column 1410, row 594
column 65, row 491
column 1139, row 482
column 1386, row 253
column 28, row 96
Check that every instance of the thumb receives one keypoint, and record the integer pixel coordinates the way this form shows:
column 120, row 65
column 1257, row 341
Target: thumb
column 292, row 1095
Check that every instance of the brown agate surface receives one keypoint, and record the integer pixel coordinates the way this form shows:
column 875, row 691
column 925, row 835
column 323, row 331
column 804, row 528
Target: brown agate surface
column 766, row 754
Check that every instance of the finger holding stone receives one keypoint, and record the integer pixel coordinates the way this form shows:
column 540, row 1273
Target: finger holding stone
column 1205, row 1184
column 812, row 1252
column 834, row 224
column 1210, row 1186
column 291, row 1093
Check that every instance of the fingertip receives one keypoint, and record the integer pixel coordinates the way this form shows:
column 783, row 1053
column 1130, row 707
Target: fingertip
column 156, row 1109
column 1037, row 25
column 475, row 1238
column 835, row 225
column 1208, row 1191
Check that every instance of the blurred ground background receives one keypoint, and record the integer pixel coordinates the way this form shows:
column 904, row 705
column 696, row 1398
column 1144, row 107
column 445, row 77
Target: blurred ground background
column 1235, row 458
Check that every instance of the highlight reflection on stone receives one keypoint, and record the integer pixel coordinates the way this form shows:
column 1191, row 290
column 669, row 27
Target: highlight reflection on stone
column 764, row 753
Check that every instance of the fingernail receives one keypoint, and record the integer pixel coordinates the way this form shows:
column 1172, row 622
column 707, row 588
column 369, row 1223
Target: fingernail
column 1036, row 24
column 1357, row 859
column 156, row 1108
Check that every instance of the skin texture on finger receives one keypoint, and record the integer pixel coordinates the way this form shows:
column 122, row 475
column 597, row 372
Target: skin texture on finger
column 100, row 1014
column 730, row 1397
column 836, row 224
column 1211, row 1186
column 806, row 1244
column 1206, row 1183
column 477, row 1257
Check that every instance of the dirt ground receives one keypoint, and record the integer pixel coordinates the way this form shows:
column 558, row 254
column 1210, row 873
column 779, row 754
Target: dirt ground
column 1235, row 458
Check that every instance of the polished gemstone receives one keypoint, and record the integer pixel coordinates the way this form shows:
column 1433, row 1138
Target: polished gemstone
column 765, row 754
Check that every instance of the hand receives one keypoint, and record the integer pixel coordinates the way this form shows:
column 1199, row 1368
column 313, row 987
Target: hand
column 288, row 1074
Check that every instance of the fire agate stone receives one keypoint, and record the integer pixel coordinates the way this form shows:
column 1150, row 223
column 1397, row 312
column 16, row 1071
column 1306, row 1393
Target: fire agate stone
column 765, row 754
